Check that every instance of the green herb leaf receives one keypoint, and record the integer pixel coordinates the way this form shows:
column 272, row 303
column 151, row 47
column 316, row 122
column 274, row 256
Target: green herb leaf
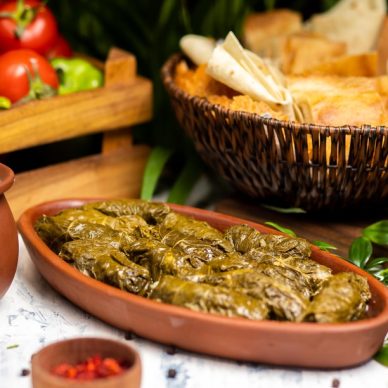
column 284, row 210
column 156, row 161
column 377, row 233
column 324, row 246
column 185, row 182
column 14, row 346
column 381, row 275
column 281, row 228
column 360, row 251
column 376, row 262
column 382, row 355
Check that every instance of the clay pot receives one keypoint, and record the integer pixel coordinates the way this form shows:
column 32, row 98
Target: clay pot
column 9, row 248
column 77, row 350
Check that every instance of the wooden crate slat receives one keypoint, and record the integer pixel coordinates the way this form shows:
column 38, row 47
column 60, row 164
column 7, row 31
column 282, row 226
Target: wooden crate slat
column 118, row 174
column 77, row 114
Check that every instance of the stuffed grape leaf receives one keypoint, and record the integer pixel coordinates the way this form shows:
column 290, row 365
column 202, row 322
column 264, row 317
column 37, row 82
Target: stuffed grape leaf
column 207, row 298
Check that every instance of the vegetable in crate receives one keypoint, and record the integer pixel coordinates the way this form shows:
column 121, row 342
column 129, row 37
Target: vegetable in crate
column 27, row 24
column 25, row 76
column 76, row 74
column 61, row 49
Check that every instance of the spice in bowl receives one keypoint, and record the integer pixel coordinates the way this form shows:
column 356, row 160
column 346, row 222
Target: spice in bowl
column 94, row 367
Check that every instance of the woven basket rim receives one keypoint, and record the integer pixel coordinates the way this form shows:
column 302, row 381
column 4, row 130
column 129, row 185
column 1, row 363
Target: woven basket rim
column 168, row 72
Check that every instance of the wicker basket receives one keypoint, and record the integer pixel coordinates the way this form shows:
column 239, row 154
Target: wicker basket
column 310, row 166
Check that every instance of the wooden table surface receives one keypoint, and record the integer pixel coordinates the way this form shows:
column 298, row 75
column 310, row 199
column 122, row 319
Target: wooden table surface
column 336, row 228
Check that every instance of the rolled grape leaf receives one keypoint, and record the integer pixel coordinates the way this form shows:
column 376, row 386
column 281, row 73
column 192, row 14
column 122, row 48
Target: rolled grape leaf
column 232, row 261
column 244, row 238
column 282, row 301
column 152, row 212
column 314, row 274
column 161, row 259
column 200, row 230
column 199, row 251
column 54, row 230
column 342, row 299
column 290, row 277
column 106, row 263
column 207, row 298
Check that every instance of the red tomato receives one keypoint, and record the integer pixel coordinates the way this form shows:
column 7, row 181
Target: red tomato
column 25, row 73
column 37, row 26
column 61, row 49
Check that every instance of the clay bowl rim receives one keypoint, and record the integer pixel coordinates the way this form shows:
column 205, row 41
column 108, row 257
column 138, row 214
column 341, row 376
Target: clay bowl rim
column 7, row 177
column 38, row 369
column 168, row 72
column 27, row 219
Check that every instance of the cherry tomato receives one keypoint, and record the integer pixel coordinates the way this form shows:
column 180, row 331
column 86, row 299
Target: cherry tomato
column 27, row 24
column 26, row 74
column 61, row 49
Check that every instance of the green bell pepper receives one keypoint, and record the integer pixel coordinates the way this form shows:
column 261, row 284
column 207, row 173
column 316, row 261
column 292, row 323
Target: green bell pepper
column 5, row 103
column 76, row 74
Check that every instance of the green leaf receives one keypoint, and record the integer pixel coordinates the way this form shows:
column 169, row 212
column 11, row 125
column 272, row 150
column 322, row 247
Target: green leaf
column 377, row 233
column 324, row 246
column 13, row 346
column 281, row 228
column 284, row 210
column 376, row 262
column 185, row 182
column 360, row 251
column 156, row 161
column 382, row 355
column 165, row 13
column 381, row 275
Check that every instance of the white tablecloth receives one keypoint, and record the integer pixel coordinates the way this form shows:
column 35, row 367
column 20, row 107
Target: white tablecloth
column 33, row 315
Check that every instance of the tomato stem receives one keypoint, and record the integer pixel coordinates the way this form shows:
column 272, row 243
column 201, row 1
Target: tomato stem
column 23, row 16
column 38, row 90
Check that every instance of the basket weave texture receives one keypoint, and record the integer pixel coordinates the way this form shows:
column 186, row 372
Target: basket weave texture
column 310, row 166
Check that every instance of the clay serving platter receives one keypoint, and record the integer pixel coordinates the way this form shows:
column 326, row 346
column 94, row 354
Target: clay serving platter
column 315, row 345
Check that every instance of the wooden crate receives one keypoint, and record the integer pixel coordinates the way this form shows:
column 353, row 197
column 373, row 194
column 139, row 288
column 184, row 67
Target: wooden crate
column 125, row 100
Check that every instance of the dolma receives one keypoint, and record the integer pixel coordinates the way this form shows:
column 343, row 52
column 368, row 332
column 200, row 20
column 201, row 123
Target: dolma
column 161, row 259
column 287, row 276
column 282, row 301
column 106, row 263
column 343, row 298
column 200, row 230
column 230, row 262
column 315, row 274
column 198, row 251
column 54, row 230
column 152, row 212
column 244, row 238
column 207, row 298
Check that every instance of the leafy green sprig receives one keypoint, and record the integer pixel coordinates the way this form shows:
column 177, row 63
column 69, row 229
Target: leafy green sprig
column 361, row 250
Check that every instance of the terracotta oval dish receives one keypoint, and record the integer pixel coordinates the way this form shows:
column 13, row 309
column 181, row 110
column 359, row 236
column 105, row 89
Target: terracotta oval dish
column 77, row 350
column 322, row 345
column 9, row 248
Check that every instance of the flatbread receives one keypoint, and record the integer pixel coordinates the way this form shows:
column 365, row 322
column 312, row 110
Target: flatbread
column 354, row 22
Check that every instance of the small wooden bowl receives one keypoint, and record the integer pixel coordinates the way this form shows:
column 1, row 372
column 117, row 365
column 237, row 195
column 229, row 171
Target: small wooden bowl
column 9, row 247
column 76, row 350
